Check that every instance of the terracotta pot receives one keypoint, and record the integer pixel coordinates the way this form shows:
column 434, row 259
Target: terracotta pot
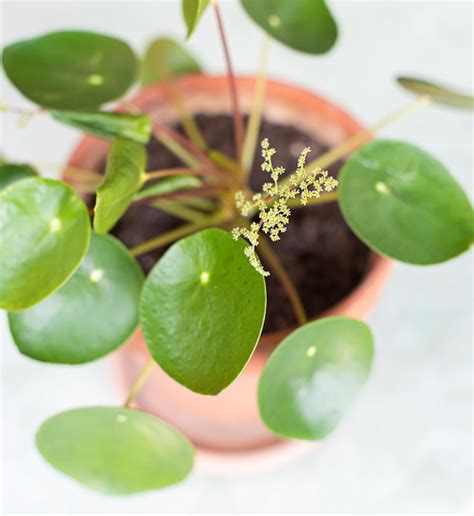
column 227, row 429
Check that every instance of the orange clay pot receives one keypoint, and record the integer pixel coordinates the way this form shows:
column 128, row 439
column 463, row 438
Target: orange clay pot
column 226, row 429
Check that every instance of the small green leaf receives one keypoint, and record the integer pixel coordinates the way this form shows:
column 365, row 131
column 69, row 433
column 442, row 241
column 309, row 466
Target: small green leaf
column 313, row 376
column 164, row 58
column 115, row 450
column 11, row 172
column 438, row 93
column 70, row 69
column 403, row 203
column 108, row 125
column 124, row 176
column 307, row 26
column 202, row 310
column 79, row 323
column 44, row 234
column 192, row 12
column 168, row 185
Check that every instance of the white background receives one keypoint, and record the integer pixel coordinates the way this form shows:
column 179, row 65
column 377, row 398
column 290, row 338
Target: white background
column 406, row 446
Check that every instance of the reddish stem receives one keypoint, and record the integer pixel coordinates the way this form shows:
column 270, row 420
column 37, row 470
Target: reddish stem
column 237, row 115
column 196, row 151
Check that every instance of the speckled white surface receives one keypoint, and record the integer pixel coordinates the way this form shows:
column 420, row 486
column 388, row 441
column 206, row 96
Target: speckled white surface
column 406, row 445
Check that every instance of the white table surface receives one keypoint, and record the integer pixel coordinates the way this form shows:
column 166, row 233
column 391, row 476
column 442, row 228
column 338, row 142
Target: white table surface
column 406, row 445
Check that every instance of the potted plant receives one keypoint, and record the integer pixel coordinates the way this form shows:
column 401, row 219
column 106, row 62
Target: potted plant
column 76, row 293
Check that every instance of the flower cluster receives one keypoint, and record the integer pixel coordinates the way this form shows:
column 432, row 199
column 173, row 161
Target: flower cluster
column 272, row 204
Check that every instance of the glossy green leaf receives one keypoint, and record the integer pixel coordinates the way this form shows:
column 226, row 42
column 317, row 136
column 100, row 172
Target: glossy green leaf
column 108, row 125
column 115, row 450
column 438, row 93
column 70, row 69
column 79, row 323
column 305, row 25
column 313, row 376
column 202, row 310
column 403, row 203
column 11, row 172
column 124, row 176
column 168, row 185
column 192, row 12
column 44, row 235
column 164, row 58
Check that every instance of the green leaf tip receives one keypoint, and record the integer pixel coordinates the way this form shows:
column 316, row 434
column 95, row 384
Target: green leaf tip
column 437, row 93
column 192, row 12
column 165, row 59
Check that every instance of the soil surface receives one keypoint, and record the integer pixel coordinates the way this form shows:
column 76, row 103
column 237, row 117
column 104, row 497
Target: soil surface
column 323, row 257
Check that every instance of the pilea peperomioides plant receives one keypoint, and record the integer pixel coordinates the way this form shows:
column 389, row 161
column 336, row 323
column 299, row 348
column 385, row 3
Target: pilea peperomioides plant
column 74, row 293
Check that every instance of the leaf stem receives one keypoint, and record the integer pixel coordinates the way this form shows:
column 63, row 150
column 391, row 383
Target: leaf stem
column 84, row 188
column 187, row 119
column 199, row 157
column 275, row 265
column 255, row 119
column 351, row 144
column 175, row 234
column 168, row 172
column 200, row 203
column 138, row 383
column 178, row 209
column 237, row 115
column 71, row 172
column 178, row 150
column 224, row 162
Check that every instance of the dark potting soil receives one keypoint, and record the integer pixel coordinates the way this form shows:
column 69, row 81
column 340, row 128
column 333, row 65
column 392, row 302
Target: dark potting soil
column 322, row 256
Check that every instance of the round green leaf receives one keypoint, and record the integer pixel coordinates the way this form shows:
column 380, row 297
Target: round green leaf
column 115, row 450
column 438, row 93
column 11, row 172
column 403, row 203
column 124, row 176
column 192, row 12
column 164, row 59
column 202, row 310
column 313, row 376
column 108, row 125
column 79, row 323
column 307, row 26
column 168, row 185
column 44, row 234
column 70, row 69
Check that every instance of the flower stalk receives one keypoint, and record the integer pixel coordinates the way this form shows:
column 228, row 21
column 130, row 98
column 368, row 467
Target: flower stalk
column 272, row 204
